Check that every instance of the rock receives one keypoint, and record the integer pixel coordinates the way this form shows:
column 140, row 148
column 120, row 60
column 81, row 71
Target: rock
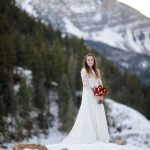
column 29, row 147
column 119, row 141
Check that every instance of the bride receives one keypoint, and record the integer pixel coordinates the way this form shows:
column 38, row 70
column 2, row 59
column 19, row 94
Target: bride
column 91, row 124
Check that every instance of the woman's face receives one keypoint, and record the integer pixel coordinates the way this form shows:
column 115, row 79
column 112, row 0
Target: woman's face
column 90, row 61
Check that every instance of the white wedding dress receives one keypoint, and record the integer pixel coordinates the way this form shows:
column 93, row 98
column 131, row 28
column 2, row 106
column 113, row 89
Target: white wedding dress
column 90, row 125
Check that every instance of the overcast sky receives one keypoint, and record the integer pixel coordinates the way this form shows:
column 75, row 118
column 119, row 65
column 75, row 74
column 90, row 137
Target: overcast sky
column 142, row 5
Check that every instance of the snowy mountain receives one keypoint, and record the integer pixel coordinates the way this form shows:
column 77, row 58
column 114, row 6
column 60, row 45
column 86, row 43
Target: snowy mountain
column 124, row 31
column 106, row 21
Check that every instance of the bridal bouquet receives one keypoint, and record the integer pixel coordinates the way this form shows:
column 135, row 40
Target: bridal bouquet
column 99, row 91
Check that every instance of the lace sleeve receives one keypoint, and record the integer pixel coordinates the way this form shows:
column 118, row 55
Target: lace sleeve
column 100, row 80
column 84, row 77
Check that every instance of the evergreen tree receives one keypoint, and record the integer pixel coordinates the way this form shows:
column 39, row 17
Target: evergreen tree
column 66, row 104
column 40, row 100
column 58, row 58
column 79, row 56
column 2, row 113
column 69, row 117
column 25, row 98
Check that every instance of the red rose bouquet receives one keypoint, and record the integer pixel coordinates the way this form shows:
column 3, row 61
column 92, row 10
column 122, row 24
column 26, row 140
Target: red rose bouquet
column 99, row 91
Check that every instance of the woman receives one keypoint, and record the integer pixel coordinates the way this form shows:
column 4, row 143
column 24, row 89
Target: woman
column 90, row 125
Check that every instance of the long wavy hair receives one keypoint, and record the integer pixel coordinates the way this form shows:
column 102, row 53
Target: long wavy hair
column 94, row 67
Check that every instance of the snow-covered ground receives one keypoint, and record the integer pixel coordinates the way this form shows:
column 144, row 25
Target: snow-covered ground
column 54, row 135
column 125, row 123
column 94, row 146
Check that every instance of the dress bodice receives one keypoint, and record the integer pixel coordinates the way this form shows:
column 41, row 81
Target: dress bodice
column 89, row 81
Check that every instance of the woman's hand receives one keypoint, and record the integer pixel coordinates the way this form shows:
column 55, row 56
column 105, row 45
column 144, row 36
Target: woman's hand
column 100, row 99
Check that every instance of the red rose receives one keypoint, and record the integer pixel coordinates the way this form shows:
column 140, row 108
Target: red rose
column 99, row 90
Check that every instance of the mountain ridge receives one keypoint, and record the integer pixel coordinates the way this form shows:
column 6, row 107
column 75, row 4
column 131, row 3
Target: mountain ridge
column 110, row 22
column 98, row 20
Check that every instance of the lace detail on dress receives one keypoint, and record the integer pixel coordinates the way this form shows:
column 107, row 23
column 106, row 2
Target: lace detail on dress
column 100, row 80
column 84, row 77
column 90, row 81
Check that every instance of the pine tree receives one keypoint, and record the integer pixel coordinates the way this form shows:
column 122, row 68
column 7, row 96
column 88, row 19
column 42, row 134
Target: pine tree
column 25, row 98
column 79, row 56
column 58, row 59
column 70, row 115
column 2, row 113
column 40, row 100
column 65, row 103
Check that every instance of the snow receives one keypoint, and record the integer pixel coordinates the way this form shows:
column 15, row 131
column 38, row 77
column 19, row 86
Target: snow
column 147, row 39
column 124, row 64
column 71, row 28
column 144, row 64
column 132, row 44
column 108, row 36
column 97, row 17
column 81, row 8
column 94, row 146
column 54, row 83
column 133, row 127
column 24, row 73
column 16, row 88
column 129, row 116
column 27, row 6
